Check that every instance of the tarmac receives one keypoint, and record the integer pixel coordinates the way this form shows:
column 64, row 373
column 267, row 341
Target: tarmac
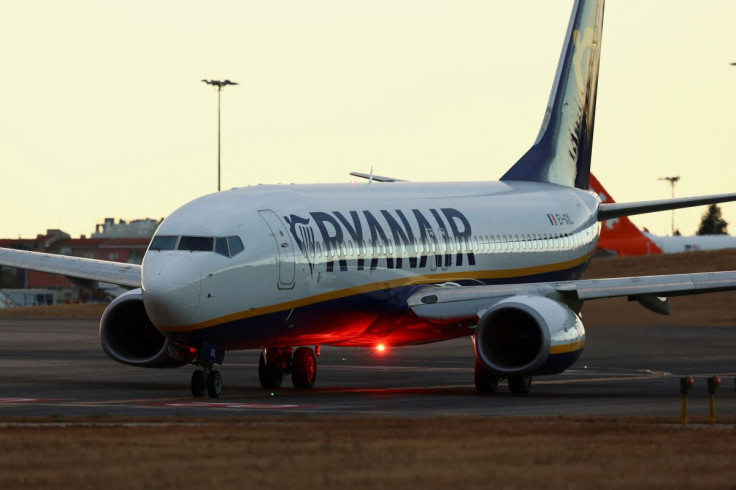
column 55, row 368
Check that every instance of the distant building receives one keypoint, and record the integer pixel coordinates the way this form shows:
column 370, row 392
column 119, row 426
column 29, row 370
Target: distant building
column 139, row 228
column 10, row 298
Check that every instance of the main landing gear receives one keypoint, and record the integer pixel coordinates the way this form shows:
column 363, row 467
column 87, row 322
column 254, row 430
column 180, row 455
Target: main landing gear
column 275, row 363
column 487, row 382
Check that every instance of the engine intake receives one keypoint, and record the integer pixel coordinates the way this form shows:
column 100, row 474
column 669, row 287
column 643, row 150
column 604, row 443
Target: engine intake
column 525, row 335
column 128, row 336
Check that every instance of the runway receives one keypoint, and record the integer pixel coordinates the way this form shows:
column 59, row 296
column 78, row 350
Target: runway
column 56, row 368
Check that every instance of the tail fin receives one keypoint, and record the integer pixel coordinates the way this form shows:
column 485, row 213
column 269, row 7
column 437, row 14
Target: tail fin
column 620, row 235
column 561, row 153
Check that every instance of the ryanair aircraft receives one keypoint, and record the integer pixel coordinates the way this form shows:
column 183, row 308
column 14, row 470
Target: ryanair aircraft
column 287, row 268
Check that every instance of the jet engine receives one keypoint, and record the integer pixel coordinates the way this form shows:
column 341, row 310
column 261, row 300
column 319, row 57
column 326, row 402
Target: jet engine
column 528, row 335
column 128, row 336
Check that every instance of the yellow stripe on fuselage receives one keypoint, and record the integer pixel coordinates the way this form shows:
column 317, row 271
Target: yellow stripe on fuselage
column 378, row 286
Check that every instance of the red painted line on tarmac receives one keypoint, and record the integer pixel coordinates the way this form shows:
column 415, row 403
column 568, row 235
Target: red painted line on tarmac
column 13, row 401
column 247, row 406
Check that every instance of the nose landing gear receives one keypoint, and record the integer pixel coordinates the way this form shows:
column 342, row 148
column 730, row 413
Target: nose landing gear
column 206, row 380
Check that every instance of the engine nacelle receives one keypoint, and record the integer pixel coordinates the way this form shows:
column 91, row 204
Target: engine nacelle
column 128, row 336
column 525, row 335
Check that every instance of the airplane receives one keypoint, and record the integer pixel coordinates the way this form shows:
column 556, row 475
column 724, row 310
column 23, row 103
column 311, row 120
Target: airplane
column 285, row 269
column 621, row 237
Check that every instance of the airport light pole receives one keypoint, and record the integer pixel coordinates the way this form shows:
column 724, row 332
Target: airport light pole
column 672, row 181
column 220, row 84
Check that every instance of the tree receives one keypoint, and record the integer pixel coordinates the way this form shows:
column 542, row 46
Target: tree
column 712, row 223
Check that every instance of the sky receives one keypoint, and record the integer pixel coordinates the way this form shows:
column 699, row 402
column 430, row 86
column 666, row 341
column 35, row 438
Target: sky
column 103, row 112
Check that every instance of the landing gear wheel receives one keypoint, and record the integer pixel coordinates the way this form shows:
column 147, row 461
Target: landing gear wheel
column 269, row 376
column 199, row 383
column 303, row 368
column 520, row 385
column 485, row 382
column 214, row 384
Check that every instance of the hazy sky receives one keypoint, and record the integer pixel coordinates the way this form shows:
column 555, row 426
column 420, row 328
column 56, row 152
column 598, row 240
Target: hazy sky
column 102, row 112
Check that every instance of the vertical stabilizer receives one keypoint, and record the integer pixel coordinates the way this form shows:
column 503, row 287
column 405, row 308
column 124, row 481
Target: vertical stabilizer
column 561, row 153
column 619, row 235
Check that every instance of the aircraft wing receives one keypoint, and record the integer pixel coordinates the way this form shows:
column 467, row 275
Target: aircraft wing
column 74, row 267
column 617, row 210
column 443, row 303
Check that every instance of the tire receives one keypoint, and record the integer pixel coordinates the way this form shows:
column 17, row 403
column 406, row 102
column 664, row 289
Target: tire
column 485, row 382
column 269, row 376
column 199, row 384
column 214, row 384
column 520, row 385
column 303, row 368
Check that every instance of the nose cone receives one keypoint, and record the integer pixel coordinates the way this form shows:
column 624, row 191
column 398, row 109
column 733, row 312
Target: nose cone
column 171, row 287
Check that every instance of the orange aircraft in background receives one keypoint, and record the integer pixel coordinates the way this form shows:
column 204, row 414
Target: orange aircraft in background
column 619, row 236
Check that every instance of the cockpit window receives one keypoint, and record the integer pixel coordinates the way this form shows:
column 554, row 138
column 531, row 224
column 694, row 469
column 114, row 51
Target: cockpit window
column 221, row 246
column 227, row 246
column 196, row 243
column 163, row 242
column 236, row 245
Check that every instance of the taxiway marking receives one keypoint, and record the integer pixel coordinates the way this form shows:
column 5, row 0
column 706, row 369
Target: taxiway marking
column 248, row 406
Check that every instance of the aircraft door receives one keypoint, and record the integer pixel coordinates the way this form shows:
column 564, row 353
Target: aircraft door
column 284, row 247
column 433, row 250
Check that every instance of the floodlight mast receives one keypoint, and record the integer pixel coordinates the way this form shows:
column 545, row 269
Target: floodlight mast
column 220, row 84
column 672, row 181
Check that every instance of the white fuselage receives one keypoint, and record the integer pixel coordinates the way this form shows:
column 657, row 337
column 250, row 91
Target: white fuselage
column 364, row 245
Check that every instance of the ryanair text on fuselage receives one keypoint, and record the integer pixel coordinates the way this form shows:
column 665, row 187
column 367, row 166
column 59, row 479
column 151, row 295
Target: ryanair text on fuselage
column 373, row 236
